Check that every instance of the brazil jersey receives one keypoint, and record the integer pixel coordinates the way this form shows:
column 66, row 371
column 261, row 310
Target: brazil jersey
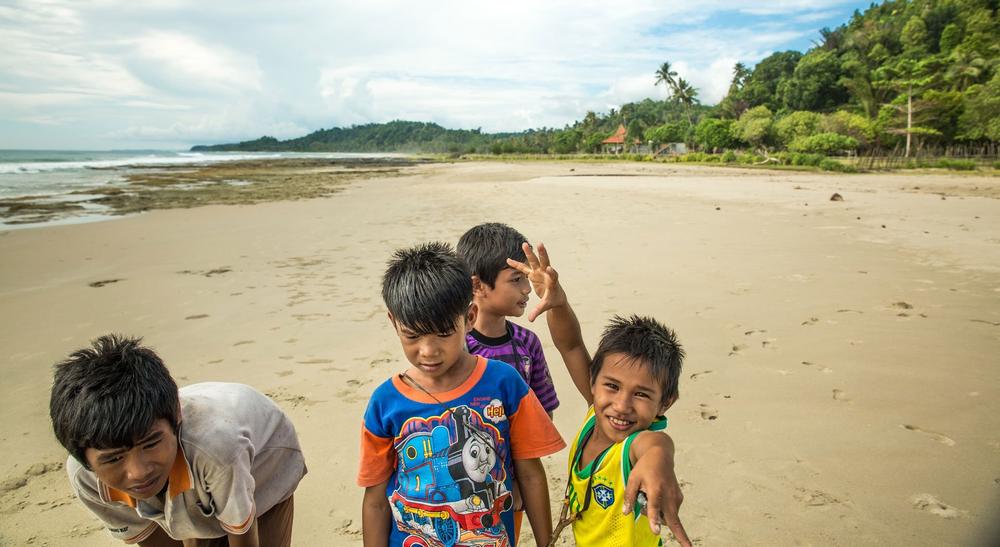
column 601, row 521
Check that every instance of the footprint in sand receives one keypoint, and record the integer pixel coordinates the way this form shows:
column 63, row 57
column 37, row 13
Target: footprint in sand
column 929, row 503
column 737, row 348
column 216, row 362
column 709, row 413
column 314, row 361
column 769, row 343
column 901, row 305
column 993, row 323
column 939, row 437
column 839, row 395
column 810, row 321
column 697, row 375
column 199, row 316
column 824, row 370
column 103, row 282
column 815, row 498
column 751, row 332
column 284, row 373
column 35, row 470
column 243, row 342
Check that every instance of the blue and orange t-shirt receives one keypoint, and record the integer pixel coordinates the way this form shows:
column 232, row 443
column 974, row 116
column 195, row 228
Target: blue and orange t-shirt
column 450, row 462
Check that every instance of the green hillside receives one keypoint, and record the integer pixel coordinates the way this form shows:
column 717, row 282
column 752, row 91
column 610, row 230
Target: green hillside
column 904, row 77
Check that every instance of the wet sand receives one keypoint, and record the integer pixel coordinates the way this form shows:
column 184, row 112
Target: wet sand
column 841, row 385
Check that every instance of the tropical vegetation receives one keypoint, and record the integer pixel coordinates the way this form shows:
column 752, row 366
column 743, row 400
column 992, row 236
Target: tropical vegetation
column 903, row 78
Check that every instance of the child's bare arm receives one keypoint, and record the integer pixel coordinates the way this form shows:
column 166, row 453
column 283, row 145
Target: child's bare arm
column 652, row 455
column 376, row 517
column 535, row 494
column 564, row 327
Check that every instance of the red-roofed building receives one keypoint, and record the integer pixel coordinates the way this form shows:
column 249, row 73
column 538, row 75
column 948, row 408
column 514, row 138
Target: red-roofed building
column 615, row 144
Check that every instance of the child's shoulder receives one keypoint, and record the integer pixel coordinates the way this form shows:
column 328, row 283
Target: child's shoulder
column 523, row 334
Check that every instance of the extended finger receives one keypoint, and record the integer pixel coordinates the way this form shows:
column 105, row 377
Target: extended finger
column 632, row 487
column 519, row 266
column 543, row 255
column 677, row 529
column 530, row 255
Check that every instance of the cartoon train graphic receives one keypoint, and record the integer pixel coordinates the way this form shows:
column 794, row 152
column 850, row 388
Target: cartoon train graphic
column 446, row 485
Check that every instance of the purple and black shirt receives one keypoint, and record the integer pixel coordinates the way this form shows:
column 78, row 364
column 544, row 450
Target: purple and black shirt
column 521, row 349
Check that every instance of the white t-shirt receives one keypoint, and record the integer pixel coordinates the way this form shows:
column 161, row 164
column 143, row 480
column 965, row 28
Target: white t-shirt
column 238, row 456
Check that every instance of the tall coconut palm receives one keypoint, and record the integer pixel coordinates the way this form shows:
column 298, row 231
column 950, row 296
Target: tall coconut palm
column 685, row 94
column 666, row 75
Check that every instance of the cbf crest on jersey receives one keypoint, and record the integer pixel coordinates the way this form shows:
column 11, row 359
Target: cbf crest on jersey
column 604, row 495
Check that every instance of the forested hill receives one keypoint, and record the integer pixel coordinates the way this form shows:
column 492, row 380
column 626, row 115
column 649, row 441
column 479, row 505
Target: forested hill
column 920, row 74
column 396, row 136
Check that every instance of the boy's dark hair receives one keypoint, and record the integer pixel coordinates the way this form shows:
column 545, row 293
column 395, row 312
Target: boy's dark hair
column 427, row 288
column 109, row 395
column 648, row 341
column 486, row 248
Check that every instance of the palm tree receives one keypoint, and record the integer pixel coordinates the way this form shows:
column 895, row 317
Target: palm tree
column 685, row 94
column 666, row 75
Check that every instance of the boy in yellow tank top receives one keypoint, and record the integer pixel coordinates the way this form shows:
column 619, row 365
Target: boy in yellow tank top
column 630, row 382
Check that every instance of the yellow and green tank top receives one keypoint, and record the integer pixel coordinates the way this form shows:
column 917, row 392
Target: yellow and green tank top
column 601, row 521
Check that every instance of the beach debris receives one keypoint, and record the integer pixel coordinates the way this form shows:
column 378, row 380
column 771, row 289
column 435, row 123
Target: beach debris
column 836, row 197
column 929, row 503
column 103, row 282
column 208, row 273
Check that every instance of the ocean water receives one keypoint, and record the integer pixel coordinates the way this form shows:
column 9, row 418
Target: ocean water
column 66, row 175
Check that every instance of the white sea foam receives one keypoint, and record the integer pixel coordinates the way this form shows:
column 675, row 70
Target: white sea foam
column 183, row 158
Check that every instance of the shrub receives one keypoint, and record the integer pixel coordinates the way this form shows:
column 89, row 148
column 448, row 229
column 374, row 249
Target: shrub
column 812, row 160
column 730, row 156
column 957, row 165
column 833, row 165
column 824, row 143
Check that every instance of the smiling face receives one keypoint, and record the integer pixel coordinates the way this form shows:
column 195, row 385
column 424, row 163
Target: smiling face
column 141, row 471
column 509, row 295
column 627, row 398
column 440, row 360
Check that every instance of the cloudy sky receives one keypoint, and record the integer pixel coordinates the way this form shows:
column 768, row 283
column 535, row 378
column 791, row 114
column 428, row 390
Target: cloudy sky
column 166, row 74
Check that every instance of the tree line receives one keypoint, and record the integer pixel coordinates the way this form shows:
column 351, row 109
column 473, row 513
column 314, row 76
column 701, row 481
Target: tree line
column 902, row 76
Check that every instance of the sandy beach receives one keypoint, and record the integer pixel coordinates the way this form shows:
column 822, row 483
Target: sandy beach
column 841, row 385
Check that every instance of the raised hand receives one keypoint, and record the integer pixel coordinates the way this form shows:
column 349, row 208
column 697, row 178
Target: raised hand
column 543, row 277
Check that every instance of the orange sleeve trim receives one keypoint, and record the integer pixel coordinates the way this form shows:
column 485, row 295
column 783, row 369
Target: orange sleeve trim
column 244, row 527
column 148, row 531
column 532, row 433
column 378, row 459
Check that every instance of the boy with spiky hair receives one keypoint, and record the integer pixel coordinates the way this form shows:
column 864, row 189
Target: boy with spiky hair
column 210, row 464
column 629, row 384
column 499, row 292
column 443, row 441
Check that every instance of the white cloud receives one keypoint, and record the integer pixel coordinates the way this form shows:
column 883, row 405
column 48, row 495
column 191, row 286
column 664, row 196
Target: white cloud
column 182, row 62
column 128, row 72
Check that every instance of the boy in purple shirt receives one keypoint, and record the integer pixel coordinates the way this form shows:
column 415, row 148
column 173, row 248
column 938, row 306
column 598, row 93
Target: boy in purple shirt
column 500, row 291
